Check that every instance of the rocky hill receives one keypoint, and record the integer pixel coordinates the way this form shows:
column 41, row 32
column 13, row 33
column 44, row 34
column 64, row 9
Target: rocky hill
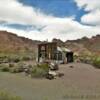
column 82, row 46
column 11, row 43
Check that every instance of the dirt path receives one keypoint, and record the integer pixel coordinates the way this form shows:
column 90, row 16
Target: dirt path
column 81, row 82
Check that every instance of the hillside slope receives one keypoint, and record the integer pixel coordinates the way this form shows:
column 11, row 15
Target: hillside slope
column 82, row 46
column 91, row 44
column 12, row 43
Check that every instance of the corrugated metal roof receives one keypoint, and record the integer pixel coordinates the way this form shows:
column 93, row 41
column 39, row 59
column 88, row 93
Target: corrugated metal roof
column 59, row 49
column 63, row 49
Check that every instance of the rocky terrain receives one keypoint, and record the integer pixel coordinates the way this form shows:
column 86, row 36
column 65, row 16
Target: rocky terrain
column 82, row 46
column 20, row 76
column 12, row 43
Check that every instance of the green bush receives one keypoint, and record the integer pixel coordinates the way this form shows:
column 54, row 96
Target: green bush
column 43, row 66
column 96, row 62
column 11, row 65
column 14, row 70
column 4, row 67
column 13, row 59
column 6, row 96
column 3, row 59
column 40, row 71
column 17, row 68
column 16, row 60
column 26, row 58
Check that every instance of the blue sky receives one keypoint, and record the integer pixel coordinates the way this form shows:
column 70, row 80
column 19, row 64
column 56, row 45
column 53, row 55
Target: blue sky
column 47, row 19
column 58, row 8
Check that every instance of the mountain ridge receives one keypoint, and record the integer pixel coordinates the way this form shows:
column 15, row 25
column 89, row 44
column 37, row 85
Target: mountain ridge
column 13, row 43
column 10, row 42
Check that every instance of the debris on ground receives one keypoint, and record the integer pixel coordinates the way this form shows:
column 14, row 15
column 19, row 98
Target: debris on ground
column 71, row 66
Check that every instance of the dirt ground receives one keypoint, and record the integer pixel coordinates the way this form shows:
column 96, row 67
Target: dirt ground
column 82, row 82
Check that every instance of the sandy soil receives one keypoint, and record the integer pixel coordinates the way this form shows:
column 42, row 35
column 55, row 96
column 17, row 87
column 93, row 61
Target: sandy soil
column 82, row 82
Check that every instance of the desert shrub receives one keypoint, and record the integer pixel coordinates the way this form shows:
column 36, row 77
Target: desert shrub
column 26, row 58
column 14, row 59
column 96, row 62
column 76, row 56
column 29, row 66
column 4, row 67
column 86, row 59
column 3, row 59
column 40, row 71
column 11, row 65
column 1, row 66
column 14, row 70
column 43, row 66
column 17, row 68
column 6, row 96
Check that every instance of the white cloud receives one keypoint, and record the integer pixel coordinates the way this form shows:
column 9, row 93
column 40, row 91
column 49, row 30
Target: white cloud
column 92, row 18
column 71, row 31
column 89, row 4
column 93, row 6
column 11, row 11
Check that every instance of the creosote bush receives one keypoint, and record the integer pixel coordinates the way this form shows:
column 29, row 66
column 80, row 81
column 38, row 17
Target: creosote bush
column 14, row 59
column 96, row 62
column 40, row 71
column 4, row 67
column 13, row 68
column 26, row 58
column 17, row 68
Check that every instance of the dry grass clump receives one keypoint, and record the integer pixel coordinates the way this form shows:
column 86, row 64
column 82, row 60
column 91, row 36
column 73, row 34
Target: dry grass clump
column 40, row 71
column 6, row 96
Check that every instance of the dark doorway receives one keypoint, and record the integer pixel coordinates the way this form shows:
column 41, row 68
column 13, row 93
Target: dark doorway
column 69, row 56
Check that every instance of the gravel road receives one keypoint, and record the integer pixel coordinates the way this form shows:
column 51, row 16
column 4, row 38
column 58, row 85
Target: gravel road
column 80, row 82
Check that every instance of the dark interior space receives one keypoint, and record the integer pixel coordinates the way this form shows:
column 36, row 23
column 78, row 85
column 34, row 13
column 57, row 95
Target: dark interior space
column 69, row 56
